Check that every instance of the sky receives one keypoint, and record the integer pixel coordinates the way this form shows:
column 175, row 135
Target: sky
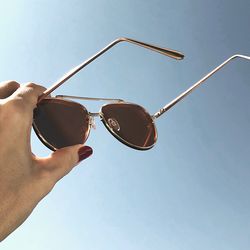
column 191, row 190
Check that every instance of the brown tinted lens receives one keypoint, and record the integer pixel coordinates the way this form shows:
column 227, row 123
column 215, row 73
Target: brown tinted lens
column 130, row 123
column 60, row 123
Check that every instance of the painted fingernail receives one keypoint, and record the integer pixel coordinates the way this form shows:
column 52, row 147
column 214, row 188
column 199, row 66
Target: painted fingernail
column 84, row 152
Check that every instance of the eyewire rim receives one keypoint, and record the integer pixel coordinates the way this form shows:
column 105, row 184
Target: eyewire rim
column 41, row 137
column 102, row 118
column 131, row 145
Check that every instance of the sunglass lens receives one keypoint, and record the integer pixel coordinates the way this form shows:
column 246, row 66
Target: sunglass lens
column 130, row 123
column 60, row 123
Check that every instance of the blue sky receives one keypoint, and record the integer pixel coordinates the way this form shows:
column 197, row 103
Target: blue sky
column 191, row 191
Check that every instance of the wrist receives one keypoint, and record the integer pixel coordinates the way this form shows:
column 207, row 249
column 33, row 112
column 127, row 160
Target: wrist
column 15, row 206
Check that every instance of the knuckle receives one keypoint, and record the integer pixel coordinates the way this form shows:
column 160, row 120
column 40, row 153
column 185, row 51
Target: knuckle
column 12, row 84
column 26, row 93
column 71, row 160
column 30, row 85
column 34, row 86
column 33, row 91
column 68, row 162
column 7, row 88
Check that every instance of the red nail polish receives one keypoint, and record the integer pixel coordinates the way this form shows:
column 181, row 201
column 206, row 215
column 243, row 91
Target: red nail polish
column 84, row 152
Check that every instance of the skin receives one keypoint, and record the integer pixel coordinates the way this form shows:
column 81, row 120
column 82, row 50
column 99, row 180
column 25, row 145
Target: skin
column 24, row 177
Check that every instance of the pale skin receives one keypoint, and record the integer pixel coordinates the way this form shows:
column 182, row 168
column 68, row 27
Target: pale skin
column 24, row 177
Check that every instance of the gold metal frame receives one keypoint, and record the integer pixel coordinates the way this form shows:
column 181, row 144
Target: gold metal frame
column 120, row 138
column 167, row 52
column 68, row 102
column 102, row 118
column 197, row 84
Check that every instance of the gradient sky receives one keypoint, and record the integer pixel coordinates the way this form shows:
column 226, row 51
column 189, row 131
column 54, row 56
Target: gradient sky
column 191, row 191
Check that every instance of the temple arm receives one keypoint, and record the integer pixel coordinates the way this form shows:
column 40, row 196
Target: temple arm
column 167, row 52
column 89, row 98
column 197, row 84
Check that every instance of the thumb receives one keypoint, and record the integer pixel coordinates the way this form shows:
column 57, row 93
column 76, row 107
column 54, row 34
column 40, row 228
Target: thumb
column 63, row 160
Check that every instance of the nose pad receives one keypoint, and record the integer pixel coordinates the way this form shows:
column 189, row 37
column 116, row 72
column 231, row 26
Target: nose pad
column 113, row 123
column 92, row 122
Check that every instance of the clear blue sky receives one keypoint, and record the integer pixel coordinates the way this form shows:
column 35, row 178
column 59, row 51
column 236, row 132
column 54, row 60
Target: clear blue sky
column 191, row 191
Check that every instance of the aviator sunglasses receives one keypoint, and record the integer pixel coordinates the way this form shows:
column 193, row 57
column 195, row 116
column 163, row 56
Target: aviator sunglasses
column 59, row 122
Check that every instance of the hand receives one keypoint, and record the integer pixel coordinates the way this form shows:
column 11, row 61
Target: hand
column 25, row 178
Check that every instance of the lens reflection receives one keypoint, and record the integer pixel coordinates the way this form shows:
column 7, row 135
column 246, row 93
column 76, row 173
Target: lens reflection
column 130, row 123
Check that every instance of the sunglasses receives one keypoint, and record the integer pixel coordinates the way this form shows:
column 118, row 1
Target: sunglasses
column 59, row 122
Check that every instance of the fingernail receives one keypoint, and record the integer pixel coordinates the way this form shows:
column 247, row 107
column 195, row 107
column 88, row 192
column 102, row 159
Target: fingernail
column 84, row 152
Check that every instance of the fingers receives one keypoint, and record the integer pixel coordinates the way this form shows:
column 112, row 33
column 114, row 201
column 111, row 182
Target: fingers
column 62, row 161
column 7, row 88
column 29, row 93
column 18, row 108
